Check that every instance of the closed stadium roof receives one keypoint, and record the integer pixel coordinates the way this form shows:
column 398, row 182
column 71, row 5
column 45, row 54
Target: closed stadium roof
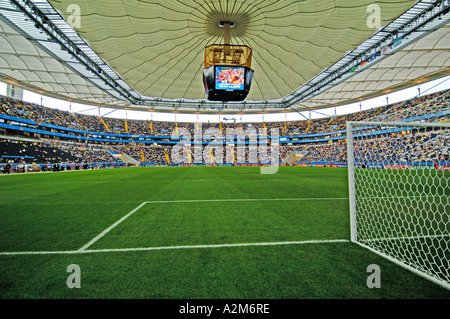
column 149, row 55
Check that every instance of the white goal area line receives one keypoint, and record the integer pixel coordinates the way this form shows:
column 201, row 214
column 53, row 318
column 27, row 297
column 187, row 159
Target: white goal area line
column 112, row 250
column 107, row 230
column 405, row 238
column 84, row 249
column 99, row 236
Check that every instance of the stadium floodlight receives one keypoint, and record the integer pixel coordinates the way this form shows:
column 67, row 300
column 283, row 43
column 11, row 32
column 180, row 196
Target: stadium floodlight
column 400, row 195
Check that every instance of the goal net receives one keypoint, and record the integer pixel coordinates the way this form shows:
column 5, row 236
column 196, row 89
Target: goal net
column 399, row 177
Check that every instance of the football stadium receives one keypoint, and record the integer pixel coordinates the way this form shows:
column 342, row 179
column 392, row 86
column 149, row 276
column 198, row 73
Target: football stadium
column 225, row 150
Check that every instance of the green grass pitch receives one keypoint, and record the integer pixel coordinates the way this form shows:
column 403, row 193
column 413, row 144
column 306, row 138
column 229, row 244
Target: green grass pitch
column 189, row 233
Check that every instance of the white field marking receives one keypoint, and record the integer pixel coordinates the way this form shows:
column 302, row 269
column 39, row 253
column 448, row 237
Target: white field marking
column 67, row 184
column 192, row 201
column 406, row 237
column 396, row 197
column 27, row 184
column 74, row 252
column 46, row 172
column 99, row 201
column 103, row 233
column 52, row 182
column 244, row 179
column 221, row 246
column 18, row 253
column 241, row 200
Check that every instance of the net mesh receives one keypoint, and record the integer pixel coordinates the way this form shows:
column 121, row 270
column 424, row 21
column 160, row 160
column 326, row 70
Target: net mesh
column 401, row 193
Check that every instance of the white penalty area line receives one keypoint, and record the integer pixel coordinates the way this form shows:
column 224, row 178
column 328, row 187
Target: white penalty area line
column 112, row 250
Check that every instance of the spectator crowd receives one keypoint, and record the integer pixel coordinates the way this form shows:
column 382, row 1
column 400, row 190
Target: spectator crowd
column 414, row 146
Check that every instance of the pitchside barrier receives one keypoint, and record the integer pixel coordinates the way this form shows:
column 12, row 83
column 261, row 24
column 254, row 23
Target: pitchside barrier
column 32, row 168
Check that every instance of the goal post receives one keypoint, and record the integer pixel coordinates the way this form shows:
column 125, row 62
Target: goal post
column 399, row 193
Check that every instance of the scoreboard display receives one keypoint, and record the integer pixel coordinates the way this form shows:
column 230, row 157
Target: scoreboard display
column 227, row 83
column 229, row 78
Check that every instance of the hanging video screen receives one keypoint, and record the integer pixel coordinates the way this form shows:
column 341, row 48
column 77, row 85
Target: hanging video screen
column 230, row 78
